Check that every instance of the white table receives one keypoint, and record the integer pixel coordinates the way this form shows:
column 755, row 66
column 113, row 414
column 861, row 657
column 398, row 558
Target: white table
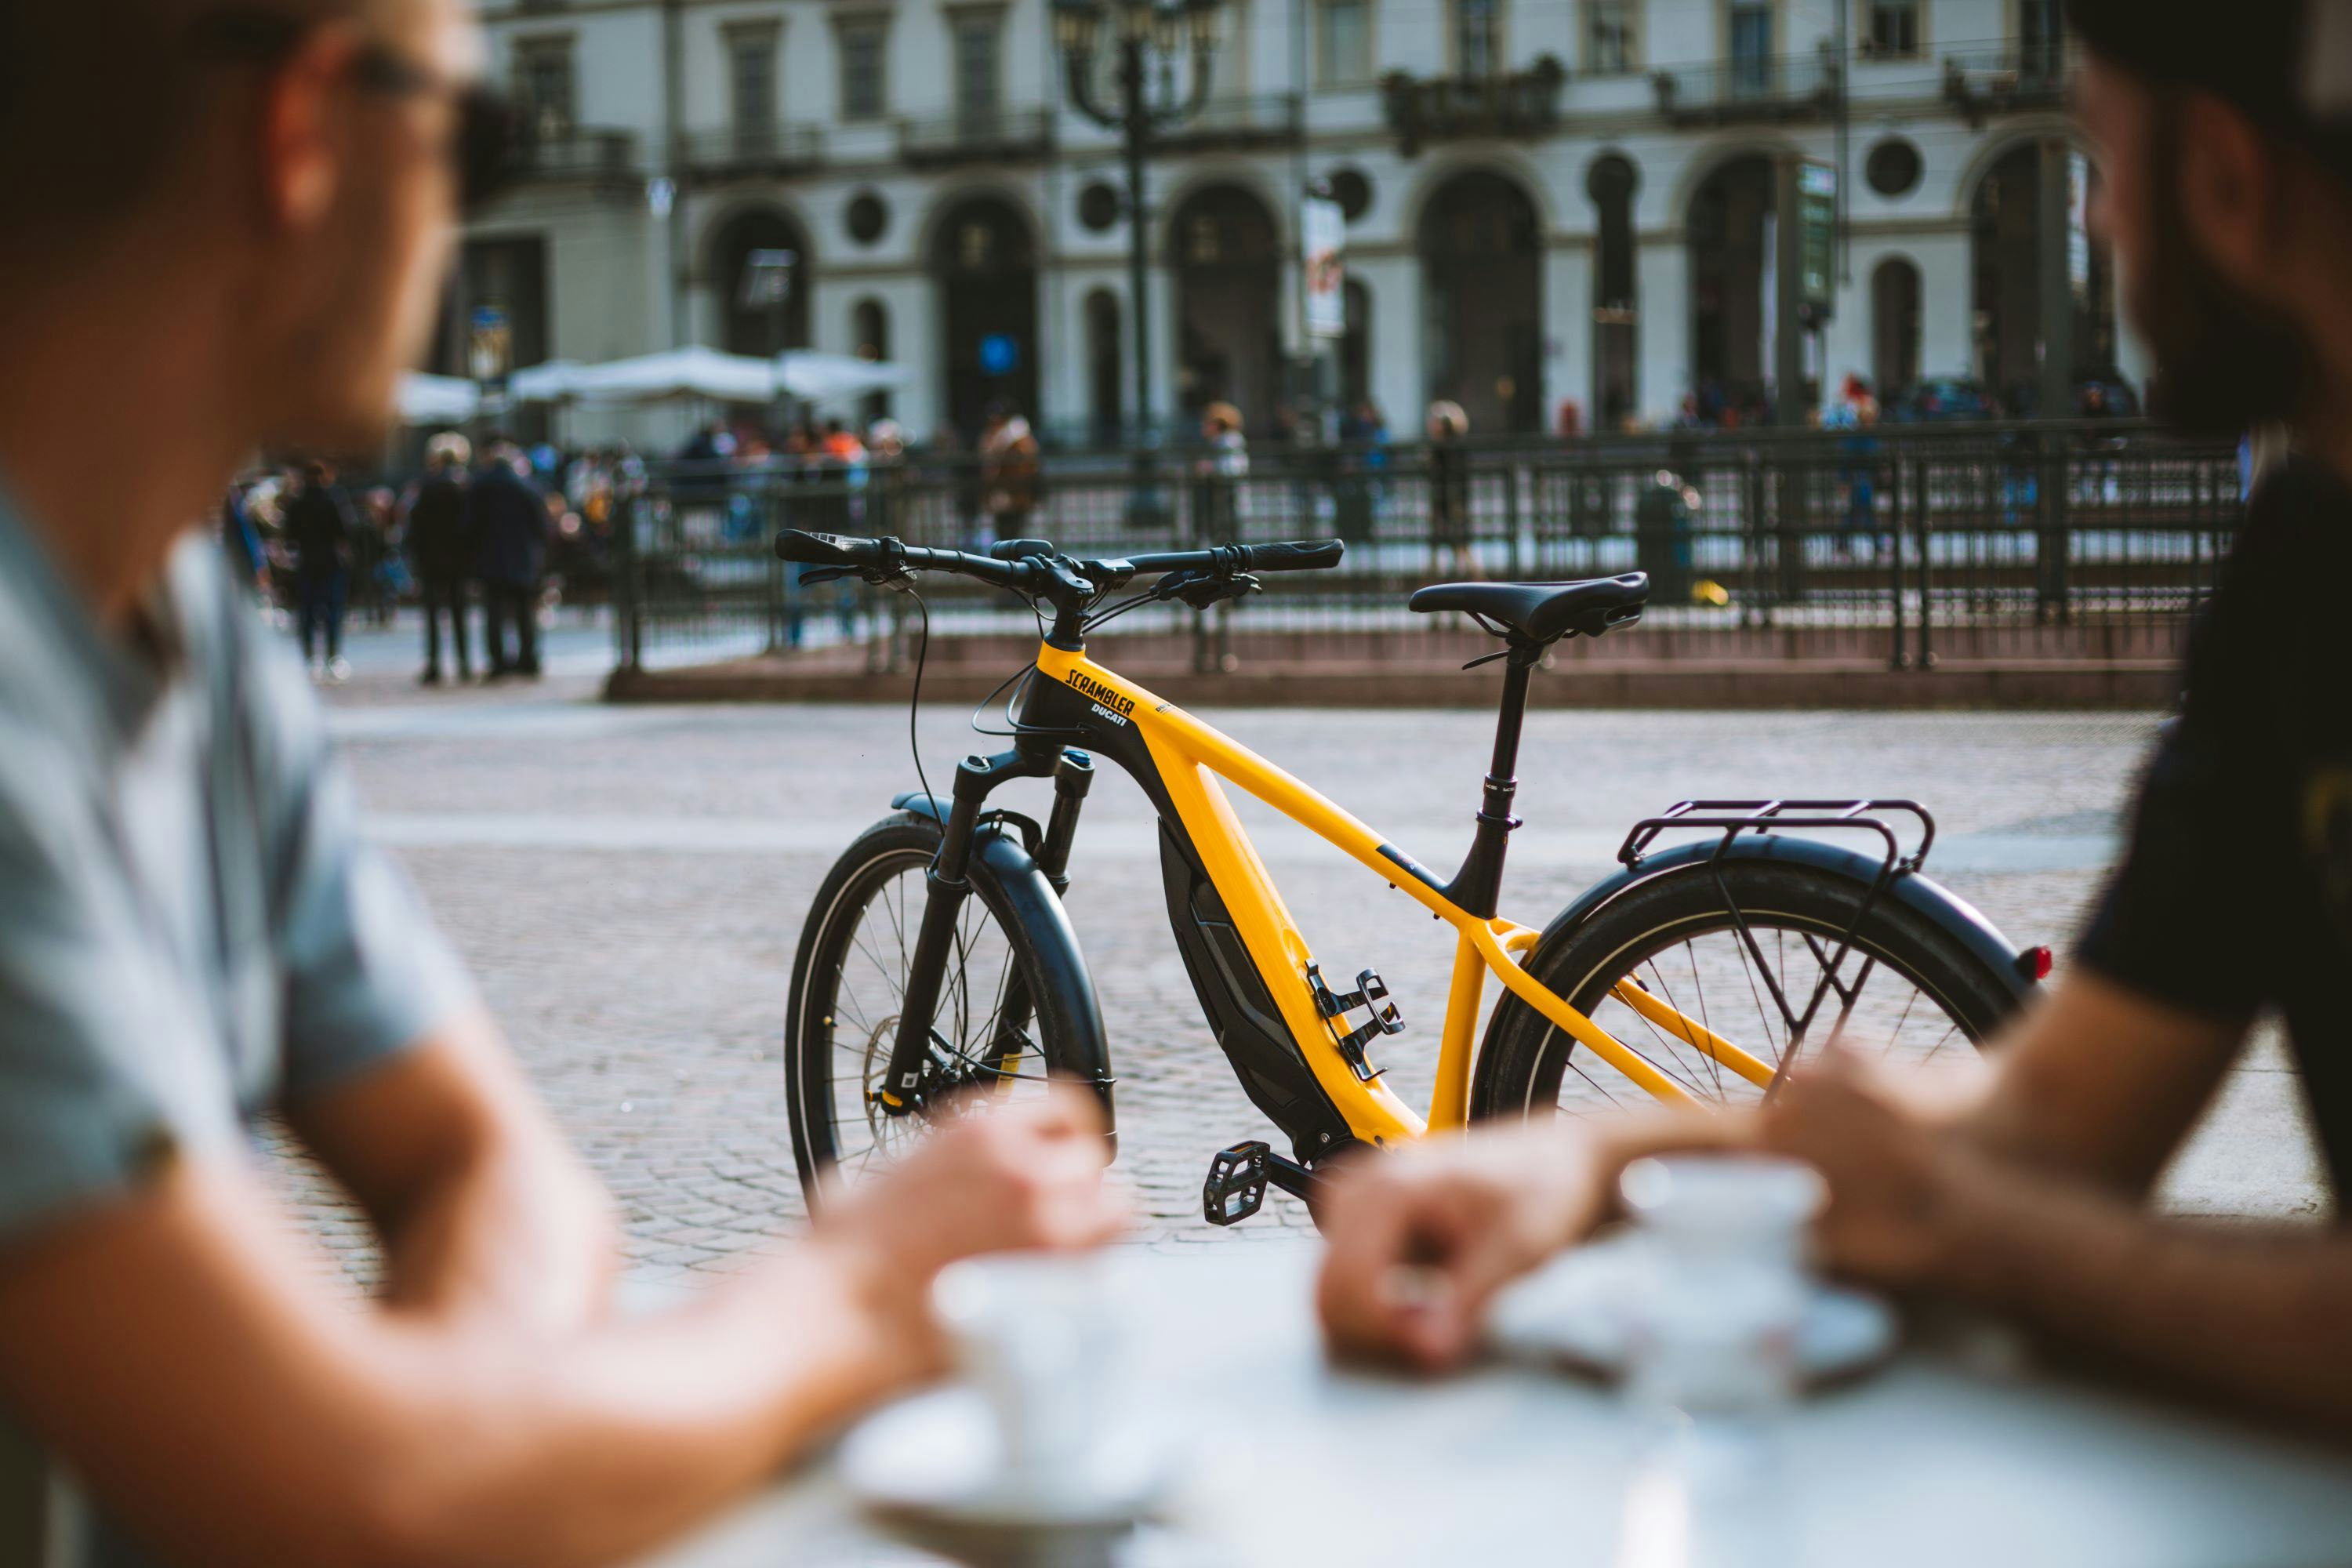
column 1952, row 1456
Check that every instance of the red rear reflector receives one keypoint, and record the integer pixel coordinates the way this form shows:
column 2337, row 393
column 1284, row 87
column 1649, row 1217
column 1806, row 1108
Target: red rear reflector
column 2035, row 962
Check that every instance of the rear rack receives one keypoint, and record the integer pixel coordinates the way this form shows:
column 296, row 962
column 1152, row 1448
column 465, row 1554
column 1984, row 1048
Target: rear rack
column 1734, row 817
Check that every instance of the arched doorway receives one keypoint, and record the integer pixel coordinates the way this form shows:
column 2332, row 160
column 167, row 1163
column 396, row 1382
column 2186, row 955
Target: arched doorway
column 1616, row 300
column 869, row 327
column 2008, row 238
column 1106, row 369
column 1893, row 327
column 1228, row 265
column 753, row 321
column 1482, row 296
column 985, row 259
column 1731, row 321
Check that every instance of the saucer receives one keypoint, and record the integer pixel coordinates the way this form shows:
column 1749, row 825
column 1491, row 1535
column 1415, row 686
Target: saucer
column 934, row 1462
column 1574, row 1309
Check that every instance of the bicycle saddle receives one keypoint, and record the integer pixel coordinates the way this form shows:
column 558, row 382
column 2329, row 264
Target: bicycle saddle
column 1544, row 612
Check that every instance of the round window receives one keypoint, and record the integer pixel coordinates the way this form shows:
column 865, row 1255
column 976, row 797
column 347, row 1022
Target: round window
column 1098, row 206
column 867, row 217
column 1893, row 169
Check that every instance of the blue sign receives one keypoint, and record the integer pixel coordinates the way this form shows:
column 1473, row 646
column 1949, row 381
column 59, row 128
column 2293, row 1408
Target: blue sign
column 999, row 352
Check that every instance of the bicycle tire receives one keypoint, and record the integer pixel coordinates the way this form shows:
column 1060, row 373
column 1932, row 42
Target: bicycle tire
column 1034, row 996
column 1524, row 1061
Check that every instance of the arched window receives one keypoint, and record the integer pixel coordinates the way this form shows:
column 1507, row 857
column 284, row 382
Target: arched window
column 1106, row 369
column 869, row 328
column 763, row 308
column 1893, row 327
column 1616, row 300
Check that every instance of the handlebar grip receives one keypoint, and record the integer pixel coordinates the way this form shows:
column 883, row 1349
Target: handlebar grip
column 807, row 549
column 1298, row 555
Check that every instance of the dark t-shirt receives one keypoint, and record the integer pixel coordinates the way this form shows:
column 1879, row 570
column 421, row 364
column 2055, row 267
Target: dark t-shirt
column 2236, row 892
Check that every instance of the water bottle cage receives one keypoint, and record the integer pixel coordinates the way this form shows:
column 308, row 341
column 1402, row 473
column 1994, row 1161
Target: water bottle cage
column 1371, row 993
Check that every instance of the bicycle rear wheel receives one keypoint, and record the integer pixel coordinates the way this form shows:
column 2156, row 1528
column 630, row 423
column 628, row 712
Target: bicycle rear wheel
column 1907, row 990
column 843, row 1022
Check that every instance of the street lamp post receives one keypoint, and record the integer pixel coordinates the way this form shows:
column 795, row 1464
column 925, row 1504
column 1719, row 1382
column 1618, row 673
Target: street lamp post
column 1151, row 34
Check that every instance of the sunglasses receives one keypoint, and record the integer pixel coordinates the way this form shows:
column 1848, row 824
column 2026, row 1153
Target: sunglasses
column 483, row 153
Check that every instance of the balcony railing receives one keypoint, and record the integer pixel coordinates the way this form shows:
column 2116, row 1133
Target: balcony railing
column 754, row 151
column 1761, row 86
column 581, row 154
column 977, row 136
column 1993, row 81
column 1422, row 109
column 1237, row 124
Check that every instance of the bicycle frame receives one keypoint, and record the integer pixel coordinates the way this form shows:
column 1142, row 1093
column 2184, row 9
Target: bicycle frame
column 1184, row 765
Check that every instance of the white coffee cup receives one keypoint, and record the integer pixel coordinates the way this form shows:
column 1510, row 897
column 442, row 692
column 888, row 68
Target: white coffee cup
column 1036, row 1334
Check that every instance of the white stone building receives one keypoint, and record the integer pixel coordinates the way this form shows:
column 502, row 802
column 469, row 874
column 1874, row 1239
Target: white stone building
column 1549, row 201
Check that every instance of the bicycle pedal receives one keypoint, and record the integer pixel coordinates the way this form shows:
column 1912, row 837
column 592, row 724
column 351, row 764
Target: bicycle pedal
column 1236, row 1185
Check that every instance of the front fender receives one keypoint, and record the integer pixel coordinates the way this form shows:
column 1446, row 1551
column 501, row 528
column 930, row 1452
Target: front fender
column 1915, row 891
column 1070, row 1013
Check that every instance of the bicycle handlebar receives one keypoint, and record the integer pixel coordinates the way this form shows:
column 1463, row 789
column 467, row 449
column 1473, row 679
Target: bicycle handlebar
column 1034, row 572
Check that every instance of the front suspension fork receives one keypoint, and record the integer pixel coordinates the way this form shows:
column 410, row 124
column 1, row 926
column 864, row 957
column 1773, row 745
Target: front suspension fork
column 948, row 883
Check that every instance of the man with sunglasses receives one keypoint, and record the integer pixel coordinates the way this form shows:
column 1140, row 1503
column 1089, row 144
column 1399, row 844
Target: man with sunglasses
column 2225, row 137
column 227, row 228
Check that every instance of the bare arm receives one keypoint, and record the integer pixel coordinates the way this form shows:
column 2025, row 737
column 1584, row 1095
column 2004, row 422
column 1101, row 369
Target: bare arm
column 2257, row 1316
column 434, row 1434
column 479, row 1202
column 2094, row 1087
column 2100, row 1083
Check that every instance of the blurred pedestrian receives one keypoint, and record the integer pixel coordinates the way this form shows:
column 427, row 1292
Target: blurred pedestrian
column 1222, row 470
column 241, row 546
column 443, row 551
column 508, row 517
column 1449, row 490
column 1008, row 473
column 322, row 527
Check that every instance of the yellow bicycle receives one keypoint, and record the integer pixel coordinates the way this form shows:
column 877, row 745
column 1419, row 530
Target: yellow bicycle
column 938, row 968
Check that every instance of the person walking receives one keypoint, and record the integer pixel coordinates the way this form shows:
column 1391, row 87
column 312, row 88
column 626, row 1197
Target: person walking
column 508, row 517
column 1008, row 473
column 443, row 551
column 324, row 530
column 1449, row 489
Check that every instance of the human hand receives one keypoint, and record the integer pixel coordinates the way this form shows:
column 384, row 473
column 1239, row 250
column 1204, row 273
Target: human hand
column 1025, row 1177
column 1893, row 1173
column 1422, row 1236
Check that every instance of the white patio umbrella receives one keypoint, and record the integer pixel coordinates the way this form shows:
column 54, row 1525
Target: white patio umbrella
column 437, row 399
column 806, row 373
column 557, row 380
column 696, row 372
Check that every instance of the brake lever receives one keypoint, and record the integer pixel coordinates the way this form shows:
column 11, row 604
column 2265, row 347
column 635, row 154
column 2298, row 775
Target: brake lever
column 827, row 574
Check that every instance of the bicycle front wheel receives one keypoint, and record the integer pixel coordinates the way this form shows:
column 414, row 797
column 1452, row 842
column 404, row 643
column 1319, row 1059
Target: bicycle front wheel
column 843, row 1021
column 1812, row 964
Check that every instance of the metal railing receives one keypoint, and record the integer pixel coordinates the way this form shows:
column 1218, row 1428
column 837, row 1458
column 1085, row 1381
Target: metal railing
column 581, row 152
column 1755, row 87
column 1990, row 82
column 977, row 136
column 1904, row 547
column 768, row 151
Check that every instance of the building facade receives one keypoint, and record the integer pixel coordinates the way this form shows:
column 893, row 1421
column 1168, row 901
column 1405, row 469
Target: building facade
column 1548, row 202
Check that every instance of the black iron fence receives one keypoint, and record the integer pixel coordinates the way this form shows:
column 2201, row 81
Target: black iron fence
column 1904, row 545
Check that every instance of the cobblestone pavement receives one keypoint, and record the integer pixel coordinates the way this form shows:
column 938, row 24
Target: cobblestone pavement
column 629, row 884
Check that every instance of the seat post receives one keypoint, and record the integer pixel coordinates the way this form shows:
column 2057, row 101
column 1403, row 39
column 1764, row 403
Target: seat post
column 1478, row 886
